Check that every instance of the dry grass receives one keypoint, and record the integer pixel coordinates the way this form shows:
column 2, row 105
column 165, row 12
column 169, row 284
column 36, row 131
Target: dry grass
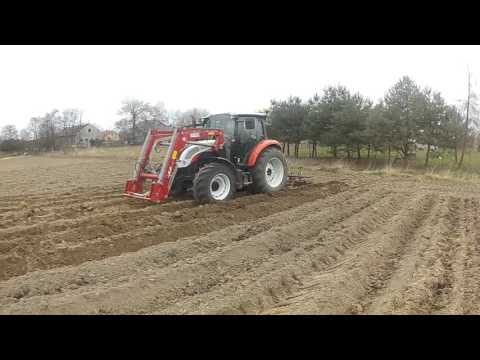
column 114, row 152
column 452, row 175
column 428, row 175
column 304, row 166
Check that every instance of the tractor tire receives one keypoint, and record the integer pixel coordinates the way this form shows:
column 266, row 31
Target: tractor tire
column 214, row 182
column 270, row 172
column 178, row 188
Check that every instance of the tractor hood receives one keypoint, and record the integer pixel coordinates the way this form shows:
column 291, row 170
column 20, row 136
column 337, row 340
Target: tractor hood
column 191, row 150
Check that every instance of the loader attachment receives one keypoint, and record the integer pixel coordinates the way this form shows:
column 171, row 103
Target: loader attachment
column 162, row 176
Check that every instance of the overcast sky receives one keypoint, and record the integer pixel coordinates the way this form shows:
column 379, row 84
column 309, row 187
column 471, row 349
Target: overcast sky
column 37, row 79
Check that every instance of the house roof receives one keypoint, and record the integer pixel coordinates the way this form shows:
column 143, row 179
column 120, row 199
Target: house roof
column 73, row 130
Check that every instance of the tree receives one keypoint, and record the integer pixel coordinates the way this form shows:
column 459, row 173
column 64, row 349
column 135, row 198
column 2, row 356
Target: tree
column 432, row 111
column 317, row 122
column 25, row 135
column 69, row 119
column 379, row 130
column 139, row 117
column 350, row 122
column 133, row 110
column 9, row 140
column 334, row 100
column 471, row 112
column 288, row 119
column 49, row 129
column 452, row 129
column 34, row 127
column 338, row 119
column 123, row 127
column 189, row 117
column 9, row 132
column 403, row 104
column 154, row 116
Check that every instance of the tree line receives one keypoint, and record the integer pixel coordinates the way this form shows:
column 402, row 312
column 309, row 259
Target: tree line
column 346, row 123
column 43, row 133
column 139, row 116
column 349, row 124
column 56, row 129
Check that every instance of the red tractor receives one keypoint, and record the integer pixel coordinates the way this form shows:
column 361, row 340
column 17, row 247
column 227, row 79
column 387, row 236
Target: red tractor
column 228, row 152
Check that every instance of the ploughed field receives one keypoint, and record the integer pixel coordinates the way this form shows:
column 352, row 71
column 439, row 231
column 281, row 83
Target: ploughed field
column 350, row 243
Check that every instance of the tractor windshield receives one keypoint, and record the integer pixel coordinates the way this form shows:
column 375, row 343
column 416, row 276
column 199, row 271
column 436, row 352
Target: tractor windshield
column 222, row 122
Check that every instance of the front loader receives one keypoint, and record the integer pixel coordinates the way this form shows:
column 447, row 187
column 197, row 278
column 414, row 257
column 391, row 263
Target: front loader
column 229, row 152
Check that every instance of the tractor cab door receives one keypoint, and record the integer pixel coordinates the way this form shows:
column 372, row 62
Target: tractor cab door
column 248, row 132
column 225, row 123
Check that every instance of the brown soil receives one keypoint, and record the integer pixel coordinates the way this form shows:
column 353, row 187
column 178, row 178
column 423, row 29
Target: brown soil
column 350, row 243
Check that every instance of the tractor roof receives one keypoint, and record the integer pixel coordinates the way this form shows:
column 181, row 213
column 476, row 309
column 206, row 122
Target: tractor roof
column 238, row 115
column 251, row 114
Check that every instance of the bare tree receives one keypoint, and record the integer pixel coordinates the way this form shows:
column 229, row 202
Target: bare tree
column 470, row 112
column 9, row 132
column 70, row 119
column 49, row 130
column 25, row 134
column 133, row 110
column 189, row 117
column 154, row 116
column 156, row 113
column 34, row 127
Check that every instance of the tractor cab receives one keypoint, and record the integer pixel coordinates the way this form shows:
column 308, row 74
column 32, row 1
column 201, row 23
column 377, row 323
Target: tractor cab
column 241, row 133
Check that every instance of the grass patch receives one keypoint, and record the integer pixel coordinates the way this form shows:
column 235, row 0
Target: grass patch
column 441, row 167
column 112, row 152
column 452, row 175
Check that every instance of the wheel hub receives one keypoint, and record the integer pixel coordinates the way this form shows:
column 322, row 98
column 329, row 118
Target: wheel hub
column 274, row 172
column 220, row 186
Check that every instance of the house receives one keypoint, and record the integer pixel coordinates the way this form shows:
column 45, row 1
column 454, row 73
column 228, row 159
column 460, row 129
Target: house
column 81, row 135
column 424, row 147
column 109, row 136
column 86, row 135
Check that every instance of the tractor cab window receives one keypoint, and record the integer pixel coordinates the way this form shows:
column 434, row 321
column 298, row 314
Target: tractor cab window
column 249, row 123
column 224, row 123
column 250, row 128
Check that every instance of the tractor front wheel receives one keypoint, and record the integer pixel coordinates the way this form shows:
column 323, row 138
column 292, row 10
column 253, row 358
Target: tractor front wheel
column 270, row 172
column 214, row 182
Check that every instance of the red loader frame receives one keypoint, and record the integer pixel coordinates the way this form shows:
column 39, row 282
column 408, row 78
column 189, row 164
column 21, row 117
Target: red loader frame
column 162, row 180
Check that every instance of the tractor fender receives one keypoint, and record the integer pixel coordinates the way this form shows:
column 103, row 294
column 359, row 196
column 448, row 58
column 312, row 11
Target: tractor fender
column 257, row 150
column 224, row 161
column 209, row 159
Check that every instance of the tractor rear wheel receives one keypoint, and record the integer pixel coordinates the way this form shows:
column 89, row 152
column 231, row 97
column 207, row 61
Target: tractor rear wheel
column 214, row 182
column 270, row 172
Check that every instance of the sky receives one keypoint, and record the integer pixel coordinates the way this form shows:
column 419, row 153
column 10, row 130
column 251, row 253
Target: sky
column 37, row 79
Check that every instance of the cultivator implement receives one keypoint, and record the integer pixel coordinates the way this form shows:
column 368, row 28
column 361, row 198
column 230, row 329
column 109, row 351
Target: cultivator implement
column 296, row 177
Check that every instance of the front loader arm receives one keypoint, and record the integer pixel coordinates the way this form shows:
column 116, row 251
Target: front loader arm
column 162, row 181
